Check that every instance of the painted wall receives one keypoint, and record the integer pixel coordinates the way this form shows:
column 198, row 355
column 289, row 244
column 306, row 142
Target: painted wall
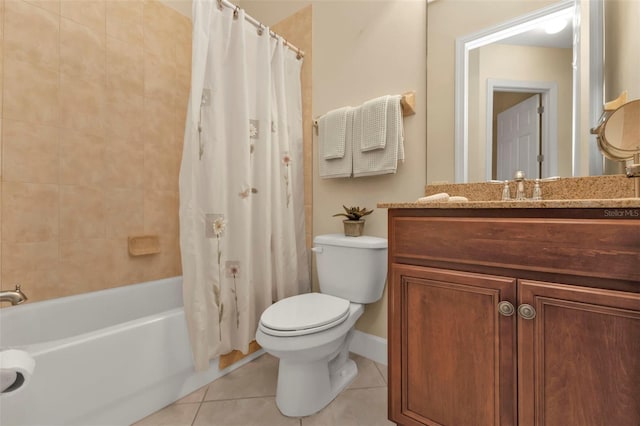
column 521, row 63
column 622, row 44
column 94, row 97
column 362, row 50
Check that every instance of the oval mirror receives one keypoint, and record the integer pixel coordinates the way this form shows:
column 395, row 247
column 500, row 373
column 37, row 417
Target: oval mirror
column 619, row 135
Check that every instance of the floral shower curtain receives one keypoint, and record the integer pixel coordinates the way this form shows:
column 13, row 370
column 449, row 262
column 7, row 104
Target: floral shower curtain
column 241, row 191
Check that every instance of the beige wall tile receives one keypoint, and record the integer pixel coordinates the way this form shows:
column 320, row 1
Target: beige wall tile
column 31, row 34
column 183, row 76
column 124, row 161
column 158, row 30
column 50, row 5
column 85, row 265
column 124, row 116
column 82, row 212
column 161, row 166
column 37, row 284
column 29, row 212
column 82, row 159
column 30, row 152
column 82, row 51
column 125, row 67
column 161, row 212
column 159, row 78
column 181, row 99
column 158, row 120
column 183, row 35
column 82, row 105
column 90, row 13
column 128, row 269
column 124, row 21
column 124, row 212
column 167, row 262
column 25, row 256
column 30, row 92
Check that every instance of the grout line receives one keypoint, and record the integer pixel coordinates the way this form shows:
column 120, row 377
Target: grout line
column 197, row 412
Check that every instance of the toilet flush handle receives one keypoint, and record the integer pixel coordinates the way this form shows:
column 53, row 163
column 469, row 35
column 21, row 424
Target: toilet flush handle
column 316, row 249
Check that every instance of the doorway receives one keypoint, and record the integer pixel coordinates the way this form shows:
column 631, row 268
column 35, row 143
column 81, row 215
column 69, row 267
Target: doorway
column 548, row 145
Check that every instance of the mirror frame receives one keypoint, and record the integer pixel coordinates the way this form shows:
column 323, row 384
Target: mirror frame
column 498, row 32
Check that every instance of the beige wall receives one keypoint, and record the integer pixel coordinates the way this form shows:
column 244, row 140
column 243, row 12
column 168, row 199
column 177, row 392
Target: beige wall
column 361, row 50
column 521, row 63
column 448, row 20
column 622, row 67
column 94, row 97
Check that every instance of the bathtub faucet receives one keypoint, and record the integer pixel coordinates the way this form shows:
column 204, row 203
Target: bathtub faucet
column 15, row 297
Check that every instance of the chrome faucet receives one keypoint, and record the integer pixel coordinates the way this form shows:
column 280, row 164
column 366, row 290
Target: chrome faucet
column 14, row 297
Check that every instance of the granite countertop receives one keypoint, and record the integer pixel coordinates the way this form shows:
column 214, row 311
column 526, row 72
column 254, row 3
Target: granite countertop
column 592, row 192
column 610, row 203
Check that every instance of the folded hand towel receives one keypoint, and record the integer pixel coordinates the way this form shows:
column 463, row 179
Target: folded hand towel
column 340, row 167
column 458, row 199
column 374, row 124
column 332, row 133
column 385, row 160
column 435, row 198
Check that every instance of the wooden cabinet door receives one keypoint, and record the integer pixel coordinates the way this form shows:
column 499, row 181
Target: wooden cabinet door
column 579, row 358
column 451, row 354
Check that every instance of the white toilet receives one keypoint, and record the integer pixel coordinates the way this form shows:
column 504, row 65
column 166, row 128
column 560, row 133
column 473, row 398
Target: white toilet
column 310, row 333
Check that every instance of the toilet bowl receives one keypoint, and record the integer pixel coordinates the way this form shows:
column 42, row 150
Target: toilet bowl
column 310, row 333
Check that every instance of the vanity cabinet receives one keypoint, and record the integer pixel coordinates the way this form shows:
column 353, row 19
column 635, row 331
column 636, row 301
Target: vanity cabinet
column 461, row 354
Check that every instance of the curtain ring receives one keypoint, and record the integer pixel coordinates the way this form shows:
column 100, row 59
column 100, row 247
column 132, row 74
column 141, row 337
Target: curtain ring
column 260, row 29
column 299, row 54
column 235, row 12
column 220, row 4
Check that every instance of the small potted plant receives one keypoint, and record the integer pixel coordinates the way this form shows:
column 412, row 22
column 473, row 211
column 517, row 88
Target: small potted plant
column 354, row 223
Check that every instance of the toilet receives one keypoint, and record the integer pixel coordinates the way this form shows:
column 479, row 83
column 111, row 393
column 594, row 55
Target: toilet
column 310, row 333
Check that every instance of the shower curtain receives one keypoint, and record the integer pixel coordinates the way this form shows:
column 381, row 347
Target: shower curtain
column 242, row 231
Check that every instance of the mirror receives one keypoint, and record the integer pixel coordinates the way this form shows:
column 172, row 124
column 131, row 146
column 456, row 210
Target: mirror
column 494, row 65
column 619, row 132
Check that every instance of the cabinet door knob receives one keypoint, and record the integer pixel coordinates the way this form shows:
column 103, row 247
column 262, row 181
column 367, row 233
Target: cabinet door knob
column 526, row 311
column 506, row 308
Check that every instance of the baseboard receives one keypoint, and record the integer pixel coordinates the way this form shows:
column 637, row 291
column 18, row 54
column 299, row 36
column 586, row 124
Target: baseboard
column 369, row 346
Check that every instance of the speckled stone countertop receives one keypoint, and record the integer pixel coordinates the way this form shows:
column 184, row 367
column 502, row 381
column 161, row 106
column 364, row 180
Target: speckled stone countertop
column 611, row 203
column 613, row 191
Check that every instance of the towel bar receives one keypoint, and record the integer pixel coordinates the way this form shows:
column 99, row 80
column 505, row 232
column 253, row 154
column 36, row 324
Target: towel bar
column 408, row 103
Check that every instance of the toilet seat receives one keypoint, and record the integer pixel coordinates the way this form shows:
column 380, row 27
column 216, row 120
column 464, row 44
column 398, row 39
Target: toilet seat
column 304, row 314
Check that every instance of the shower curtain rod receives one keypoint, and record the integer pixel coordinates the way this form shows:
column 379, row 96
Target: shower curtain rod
column 259, row 25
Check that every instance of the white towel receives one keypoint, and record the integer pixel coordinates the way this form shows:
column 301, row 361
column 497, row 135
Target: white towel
column 332, row 129
column 380, row 161
column 340, row 167
column 374, row 124
column 435, row 198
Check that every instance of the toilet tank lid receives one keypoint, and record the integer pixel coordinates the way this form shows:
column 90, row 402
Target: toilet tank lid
column 364, row 241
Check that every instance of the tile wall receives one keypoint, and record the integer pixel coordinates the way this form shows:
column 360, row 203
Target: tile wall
column 93, row 100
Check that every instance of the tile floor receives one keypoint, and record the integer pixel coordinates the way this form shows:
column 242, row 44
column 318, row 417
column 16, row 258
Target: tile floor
column 246, row 397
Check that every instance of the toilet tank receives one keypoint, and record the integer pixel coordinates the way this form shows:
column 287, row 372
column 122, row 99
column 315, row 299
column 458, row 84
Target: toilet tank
column 353, row 268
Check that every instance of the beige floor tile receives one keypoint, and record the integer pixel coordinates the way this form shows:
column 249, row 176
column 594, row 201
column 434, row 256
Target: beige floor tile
column 368, row 374
column 255, row 379
column 243, row 412
column 173, row 415
column 384, row 371
column 353, row 407
column 195, row 396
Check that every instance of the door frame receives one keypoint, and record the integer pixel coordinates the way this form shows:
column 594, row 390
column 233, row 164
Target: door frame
column 549, row 132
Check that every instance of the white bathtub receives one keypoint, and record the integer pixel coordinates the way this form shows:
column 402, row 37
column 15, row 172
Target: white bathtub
column 108, row 357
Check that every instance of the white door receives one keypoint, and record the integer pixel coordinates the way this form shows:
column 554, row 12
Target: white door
column 519, row 139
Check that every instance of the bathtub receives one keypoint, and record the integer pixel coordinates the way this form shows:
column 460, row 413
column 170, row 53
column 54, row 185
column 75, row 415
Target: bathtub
column 109, row 357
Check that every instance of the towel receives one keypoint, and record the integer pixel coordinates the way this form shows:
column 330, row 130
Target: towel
column 374, row 124
column 435, row 198
column 385, row 160
column 339, row 167
column 332, row 129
